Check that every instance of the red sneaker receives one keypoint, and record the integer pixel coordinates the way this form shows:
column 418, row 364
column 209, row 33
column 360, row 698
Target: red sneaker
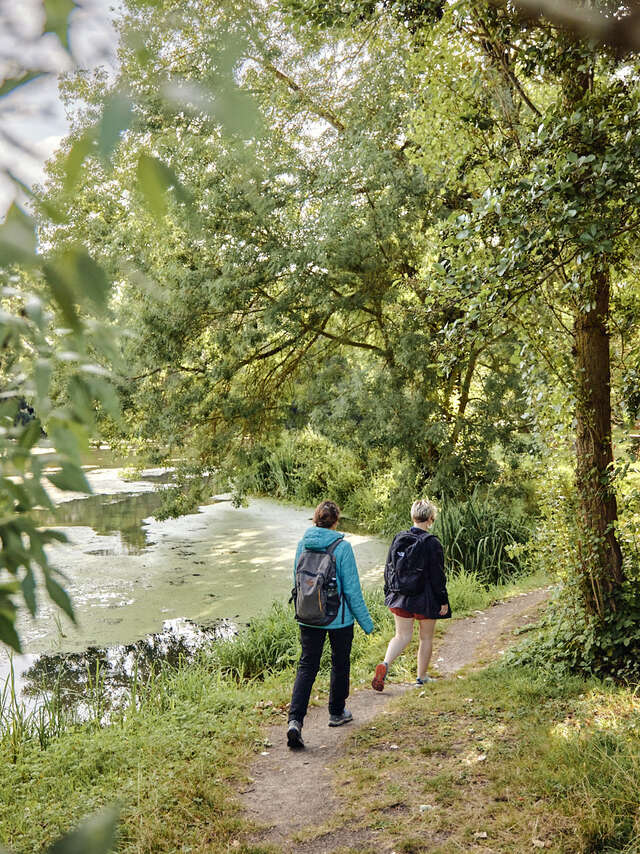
column 377, row 683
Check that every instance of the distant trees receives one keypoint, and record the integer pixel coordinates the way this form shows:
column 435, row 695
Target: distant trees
column 410, row 225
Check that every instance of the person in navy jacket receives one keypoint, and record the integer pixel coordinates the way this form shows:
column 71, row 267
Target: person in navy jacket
column 429, row 604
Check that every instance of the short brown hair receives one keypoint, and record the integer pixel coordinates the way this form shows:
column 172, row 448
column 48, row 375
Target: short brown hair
column 326, row 514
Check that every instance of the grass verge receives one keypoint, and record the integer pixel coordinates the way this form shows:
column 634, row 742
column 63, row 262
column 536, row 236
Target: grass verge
column 175, row 757
column 500, row 761
column 172, row 764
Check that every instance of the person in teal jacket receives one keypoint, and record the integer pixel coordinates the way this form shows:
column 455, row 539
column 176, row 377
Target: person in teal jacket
column 340, row 631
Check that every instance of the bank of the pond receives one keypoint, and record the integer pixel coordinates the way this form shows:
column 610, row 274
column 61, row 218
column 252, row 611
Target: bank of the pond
column 177, row 751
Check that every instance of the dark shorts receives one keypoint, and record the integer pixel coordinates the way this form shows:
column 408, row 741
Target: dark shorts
column 400, row 612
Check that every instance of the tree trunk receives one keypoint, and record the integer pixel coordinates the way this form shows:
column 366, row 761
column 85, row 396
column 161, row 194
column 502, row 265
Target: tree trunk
column 601, row 555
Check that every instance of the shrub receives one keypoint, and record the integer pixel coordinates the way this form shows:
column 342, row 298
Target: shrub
column 480, row 539
column 570, row 637
column 305, row 467
column 572, row 640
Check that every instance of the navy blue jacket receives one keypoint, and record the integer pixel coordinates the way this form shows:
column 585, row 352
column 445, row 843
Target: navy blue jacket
column 434, row 593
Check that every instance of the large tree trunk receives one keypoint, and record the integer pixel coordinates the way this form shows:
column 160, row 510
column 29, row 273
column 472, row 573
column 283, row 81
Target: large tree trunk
column 601, row 555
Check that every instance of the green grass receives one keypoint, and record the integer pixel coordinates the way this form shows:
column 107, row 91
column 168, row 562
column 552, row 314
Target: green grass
column 508, row 753
column 172, row 764
column 467, row 593
column 175, row 757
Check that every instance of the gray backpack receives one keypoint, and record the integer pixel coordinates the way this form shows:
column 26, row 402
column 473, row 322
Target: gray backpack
column 316, row 594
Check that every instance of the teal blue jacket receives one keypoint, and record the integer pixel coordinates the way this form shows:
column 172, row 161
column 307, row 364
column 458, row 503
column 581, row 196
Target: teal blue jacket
column 346, row 574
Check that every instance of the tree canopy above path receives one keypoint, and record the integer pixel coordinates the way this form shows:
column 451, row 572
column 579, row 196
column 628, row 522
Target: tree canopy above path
column 408, row 227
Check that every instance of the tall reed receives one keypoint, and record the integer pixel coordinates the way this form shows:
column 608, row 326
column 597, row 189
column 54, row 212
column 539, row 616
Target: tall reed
column 477, row 538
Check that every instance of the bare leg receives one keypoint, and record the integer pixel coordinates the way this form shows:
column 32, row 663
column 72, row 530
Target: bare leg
column 401, row 640
column 426, row 643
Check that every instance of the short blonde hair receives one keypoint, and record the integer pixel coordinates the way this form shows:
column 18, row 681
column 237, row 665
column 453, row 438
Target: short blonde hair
column 422, row 510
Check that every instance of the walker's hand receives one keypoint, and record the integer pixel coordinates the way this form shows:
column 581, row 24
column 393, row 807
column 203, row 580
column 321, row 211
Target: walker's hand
column 444, row 610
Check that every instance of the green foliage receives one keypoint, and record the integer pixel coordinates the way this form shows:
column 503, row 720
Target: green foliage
column 268, row 644
column 27, row 373
column 570, row 636
column 303, row 467
column 571, row 639
column 478, row 538
column 283, row 285
column 56, row 312
column 467, row 592
column 52, row 376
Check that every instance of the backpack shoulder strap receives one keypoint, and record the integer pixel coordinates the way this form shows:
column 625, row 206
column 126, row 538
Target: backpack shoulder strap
column 334, row 545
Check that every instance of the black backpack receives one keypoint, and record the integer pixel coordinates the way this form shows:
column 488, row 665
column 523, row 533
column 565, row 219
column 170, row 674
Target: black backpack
column 403, row 572
column 316, row 592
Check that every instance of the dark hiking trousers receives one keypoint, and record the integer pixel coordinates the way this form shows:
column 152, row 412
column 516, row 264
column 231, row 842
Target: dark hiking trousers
column 312, row 640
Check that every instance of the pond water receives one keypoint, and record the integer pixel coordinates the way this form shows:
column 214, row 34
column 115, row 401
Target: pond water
column 129, row 575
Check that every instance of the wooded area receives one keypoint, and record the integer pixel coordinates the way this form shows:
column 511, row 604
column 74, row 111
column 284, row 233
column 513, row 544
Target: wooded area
column 363, row 251
column 360, row 251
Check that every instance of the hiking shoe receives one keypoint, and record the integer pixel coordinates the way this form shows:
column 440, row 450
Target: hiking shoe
column 377, row 683
column 294, row 735
column 338, row 720
column 424, row 680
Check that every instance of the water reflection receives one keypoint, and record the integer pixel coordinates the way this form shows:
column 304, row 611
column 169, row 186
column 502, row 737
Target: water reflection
column 100, row 680
column 108, row 514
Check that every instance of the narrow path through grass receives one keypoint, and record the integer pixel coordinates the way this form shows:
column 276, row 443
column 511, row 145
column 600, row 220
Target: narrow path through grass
column 500, row 759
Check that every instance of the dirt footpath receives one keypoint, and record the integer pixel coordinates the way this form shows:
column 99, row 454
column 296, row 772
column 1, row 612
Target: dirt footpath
column 289, row 788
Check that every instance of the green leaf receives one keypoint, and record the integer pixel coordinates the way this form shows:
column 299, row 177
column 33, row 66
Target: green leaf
column 18, row 238
column 8, row 634
column 28, row 585
column 86, row 277
column 62, row 293
column 30, row 434
column 14, row 82
column 71, row 478
column 155, row 179
column 75, row 158
column 42, row 377
column 75, row 278
column 96, row 835
column 51, row 535
column 59, row 595
column 57, row 18
column 116, row 118
column 39, row 497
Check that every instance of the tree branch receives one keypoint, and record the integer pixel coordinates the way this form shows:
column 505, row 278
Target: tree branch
column 622, row 33
column 324, row 113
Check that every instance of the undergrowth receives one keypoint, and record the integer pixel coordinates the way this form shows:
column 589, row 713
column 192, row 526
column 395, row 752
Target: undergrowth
column 480, row 534
column 507, row 759
column 529, row 758
column 177, row 749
